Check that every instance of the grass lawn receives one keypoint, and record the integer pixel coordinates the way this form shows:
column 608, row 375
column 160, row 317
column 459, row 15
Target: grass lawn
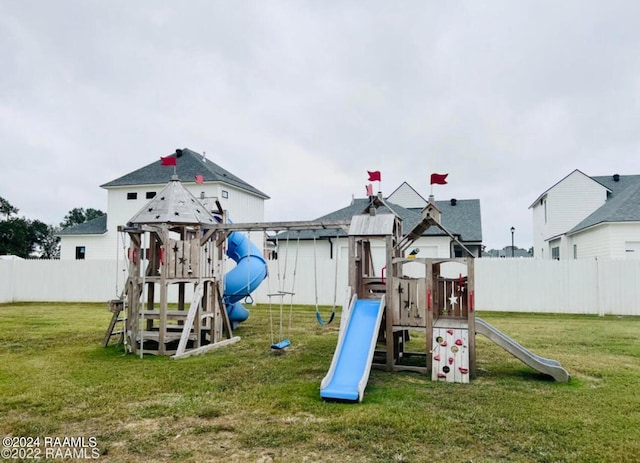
column 245, row 403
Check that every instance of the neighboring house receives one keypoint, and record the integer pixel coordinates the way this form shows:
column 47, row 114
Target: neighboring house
column 98, row 239
column 460, row 217
column 588, row 217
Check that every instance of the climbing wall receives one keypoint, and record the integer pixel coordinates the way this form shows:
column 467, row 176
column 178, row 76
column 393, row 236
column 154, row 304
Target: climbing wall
column 450, row 361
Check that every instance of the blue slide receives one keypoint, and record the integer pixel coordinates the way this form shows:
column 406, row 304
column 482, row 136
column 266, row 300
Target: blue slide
column 351, row 364
column 244, row 278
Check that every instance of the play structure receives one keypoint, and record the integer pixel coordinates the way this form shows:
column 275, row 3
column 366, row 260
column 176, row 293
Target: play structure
column 403, row 312
column 176, row 244
column 431, row 296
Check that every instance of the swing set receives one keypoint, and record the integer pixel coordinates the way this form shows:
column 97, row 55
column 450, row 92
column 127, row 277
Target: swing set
column 283, row 291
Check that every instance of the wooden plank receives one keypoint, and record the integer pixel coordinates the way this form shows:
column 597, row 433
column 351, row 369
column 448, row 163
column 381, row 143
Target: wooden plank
column 188, row 324
column 205, row 349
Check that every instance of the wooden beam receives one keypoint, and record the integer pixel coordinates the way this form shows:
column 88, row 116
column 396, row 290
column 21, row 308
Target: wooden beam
column 286, row 226
column 205, row 349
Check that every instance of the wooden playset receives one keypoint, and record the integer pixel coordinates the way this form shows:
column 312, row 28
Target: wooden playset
column 433, row 296
column 175, row 244
column 411, row 314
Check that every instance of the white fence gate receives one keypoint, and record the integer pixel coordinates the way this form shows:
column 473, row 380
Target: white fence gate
column 599, row 287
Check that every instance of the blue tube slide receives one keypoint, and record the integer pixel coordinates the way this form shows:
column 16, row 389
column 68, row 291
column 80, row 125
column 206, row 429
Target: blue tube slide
column 244, row 278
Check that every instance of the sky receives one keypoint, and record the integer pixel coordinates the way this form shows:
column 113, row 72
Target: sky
column 302, row 98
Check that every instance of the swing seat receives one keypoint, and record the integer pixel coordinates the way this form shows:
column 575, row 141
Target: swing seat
column 281, row 345
column 321, row 321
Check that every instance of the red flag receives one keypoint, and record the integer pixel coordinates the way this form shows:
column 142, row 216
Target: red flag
column 369, row 188
column 374, row 176
column 439, row 179
column 199, row 178
column 168, row 161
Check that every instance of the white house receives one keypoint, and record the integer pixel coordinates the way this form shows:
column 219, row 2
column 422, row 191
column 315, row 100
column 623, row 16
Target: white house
column 588, row 217
column 98, row 238
column 461, row 217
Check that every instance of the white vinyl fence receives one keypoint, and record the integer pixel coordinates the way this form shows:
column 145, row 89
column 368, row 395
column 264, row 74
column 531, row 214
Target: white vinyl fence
column 599, row 287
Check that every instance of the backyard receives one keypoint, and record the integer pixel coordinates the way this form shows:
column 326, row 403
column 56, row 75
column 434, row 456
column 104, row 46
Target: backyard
column 247, row 403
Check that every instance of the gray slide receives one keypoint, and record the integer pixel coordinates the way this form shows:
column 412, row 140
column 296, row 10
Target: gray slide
column 543, row 365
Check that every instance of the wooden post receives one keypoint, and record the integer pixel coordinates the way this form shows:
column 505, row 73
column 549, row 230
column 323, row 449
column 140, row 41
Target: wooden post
column 471, row 315
column 429, row 296
column 391, row 348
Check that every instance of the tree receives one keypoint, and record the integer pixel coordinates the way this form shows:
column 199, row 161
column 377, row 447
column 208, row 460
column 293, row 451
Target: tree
column 7, row 209
column 21, row 237
column 14, row 237
column 79, row 215
column 45, row 239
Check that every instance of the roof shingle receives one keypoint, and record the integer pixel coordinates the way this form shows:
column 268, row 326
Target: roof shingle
column 188, row 166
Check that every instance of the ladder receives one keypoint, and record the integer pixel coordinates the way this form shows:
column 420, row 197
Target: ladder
column 116, row 306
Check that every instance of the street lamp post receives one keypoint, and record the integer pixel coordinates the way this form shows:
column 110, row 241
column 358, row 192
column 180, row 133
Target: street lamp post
column 512, row 249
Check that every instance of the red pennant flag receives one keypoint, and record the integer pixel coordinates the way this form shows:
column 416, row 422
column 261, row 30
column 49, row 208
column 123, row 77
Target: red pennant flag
column 439, row 179
column 199, row 178
column 168, row 161
column 369, row 188
column 374, row 176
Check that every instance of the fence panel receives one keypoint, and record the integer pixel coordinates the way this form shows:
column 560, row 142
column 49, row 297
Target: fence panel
column 600, row 287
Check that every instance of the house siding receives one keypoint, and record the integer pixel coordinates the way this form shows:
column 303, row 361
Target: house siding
column 244, row 207
column 592, row 243
column 606, row 240
column 567, row 203
column 98, row 247
column 621, row 233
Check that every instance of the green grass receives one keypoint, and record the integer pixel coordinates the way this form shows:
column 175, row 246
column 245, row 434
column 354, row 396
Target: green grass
column 245, row 402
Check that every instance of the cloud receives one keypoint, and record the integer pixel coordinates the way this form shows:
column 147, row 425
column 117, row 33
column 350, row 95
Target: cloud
column 301, row 98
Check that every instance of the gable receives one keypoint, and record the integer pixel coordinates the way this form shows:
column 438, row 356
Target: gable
column 577, row 176
column 406, row 196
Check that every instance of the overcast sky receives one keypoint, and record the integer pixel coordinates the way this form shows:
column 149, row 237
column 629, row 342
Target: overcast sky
column 301, row 98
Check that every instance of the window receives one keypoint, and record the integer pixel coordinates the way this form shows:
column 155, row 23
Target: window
column 575, row 251
column 151, row 194
column 545, row 211
column 555, row 252
column 132, row 195
column 225, row 194
column 80, row 252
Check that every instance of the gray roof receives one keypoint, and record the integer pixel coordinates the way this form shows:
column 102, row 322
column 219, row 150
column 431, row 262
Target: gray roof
column 174, row 205
column 462, row 220
column 187, row 167
column 622, row 205
column 97, row 226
